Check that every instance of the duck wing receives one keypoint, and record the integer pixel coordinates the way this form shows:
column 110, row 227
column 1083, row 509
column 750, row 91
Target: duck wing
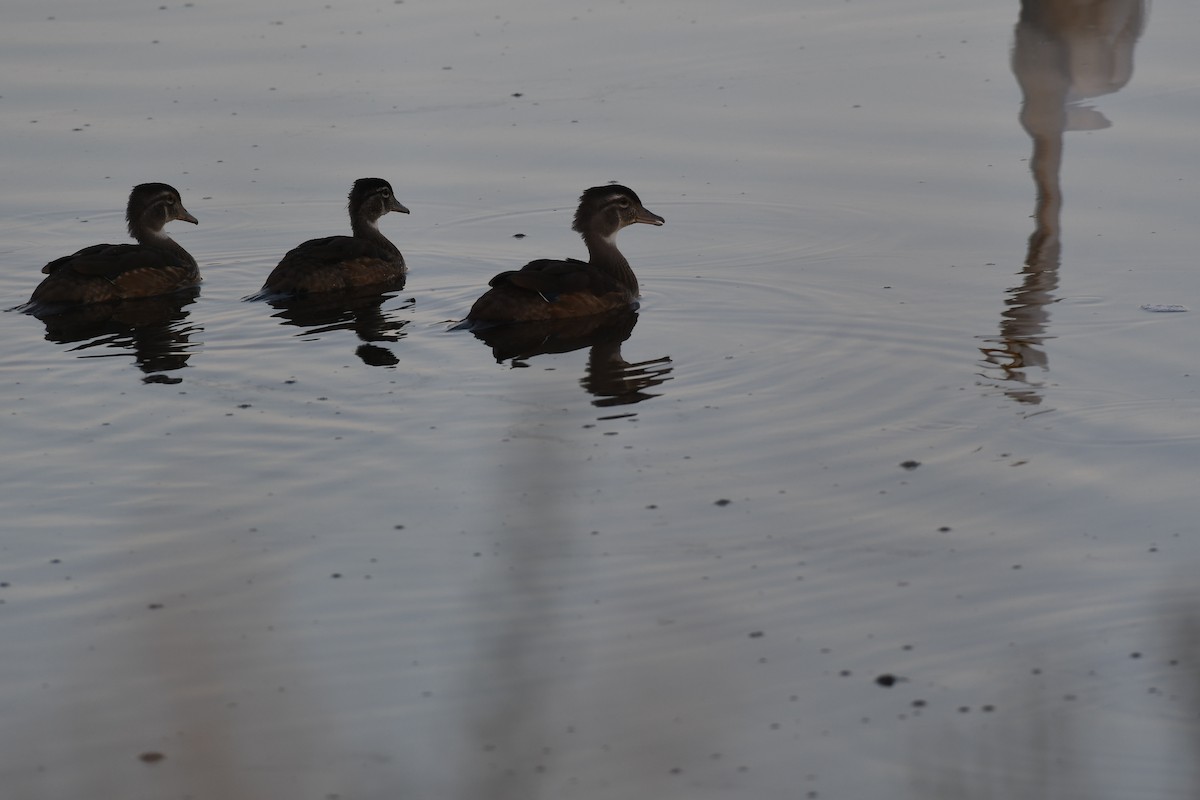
column 334, row 250
column 549, row 278
column 111, row 260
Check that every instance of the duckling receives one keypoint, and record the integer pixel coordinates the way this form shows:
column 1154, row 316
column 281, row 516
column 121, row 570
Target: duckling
column 104, row 273
column 548, row 289
column 366, row 258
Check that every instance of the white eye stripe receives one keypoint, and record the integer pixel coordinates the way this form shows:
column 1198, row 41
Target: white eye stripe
column 164, row 201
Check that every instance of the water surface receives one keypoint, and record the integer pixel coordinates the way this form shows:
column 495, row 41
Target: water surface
column 887, row 489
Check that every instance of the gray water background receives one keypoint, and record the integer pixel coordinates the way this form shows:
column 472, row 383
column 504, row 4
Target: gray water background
column 891, row 490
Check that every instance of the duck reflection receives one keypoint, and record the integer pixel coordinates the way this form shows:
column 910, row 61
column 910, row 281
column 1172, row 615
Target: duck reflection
column 608, row 376
column 357, row 310
column 1064, row 52
column 155, row 329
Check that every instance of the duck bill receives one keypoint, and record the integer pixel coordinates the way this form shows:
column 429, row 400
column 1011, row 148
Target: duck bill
column 395, row 206
column 648, row 217
column 185, row 216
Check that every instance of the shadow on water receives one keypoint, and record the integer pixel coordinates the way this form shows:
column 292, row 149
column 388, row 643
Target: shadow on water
column 358, row 311
column 1064, row 53
column 608, row 376
column 154, row 329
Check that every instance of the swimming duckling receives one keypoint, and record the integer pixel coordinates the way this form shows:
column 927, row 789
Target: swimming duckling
column 102, row 273
column 366, row 258
column 549, row 289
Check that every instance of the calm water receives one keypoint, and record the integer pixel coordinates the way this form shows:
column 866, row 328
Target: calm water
column 888, row 490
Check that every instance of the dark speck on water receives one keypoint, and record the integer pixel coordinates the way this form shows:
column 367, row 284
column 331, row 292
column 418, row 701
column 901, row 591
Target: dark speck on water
column 910, row 465
column 722, row 502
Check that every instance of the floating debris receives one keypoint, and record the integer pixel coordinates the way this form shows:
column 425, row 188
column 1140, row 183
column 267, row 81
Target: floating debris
column 1163, row 308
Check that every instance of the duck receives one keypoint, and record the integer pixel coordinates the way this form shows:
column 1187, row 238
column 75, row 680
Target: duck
column 366, row 258
column 105, row 273
column 548, row 289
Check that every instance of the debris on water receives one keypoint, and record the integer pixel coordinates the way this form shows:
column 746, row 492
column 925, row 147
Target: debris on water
column 888, row 680
column 1163, row 308
column 910, row 465
column 722, row 502
column 151, row 757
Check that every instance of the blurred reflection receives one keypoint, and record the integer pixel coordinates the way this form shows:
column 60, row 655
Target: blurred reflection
column 533, row 665
column 526, row 619
column 360, row 311
column 152, row 327
column 1046, row 738
column 613, row 380
column 1064, row 52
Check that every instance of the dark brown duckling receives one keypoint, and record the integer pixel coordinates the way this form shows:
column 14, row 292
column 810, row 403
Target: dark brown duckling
column 366, row 258
column 548, row 289
column 104, row 273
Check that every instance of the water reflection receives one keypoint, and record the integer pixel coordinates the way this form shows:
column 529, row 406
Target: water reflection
column 1064, row 52
column 1049, row 734
column 357, row 310
column 525, row 621
column 608, row 376
column 546, row 722
column 155, row 329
